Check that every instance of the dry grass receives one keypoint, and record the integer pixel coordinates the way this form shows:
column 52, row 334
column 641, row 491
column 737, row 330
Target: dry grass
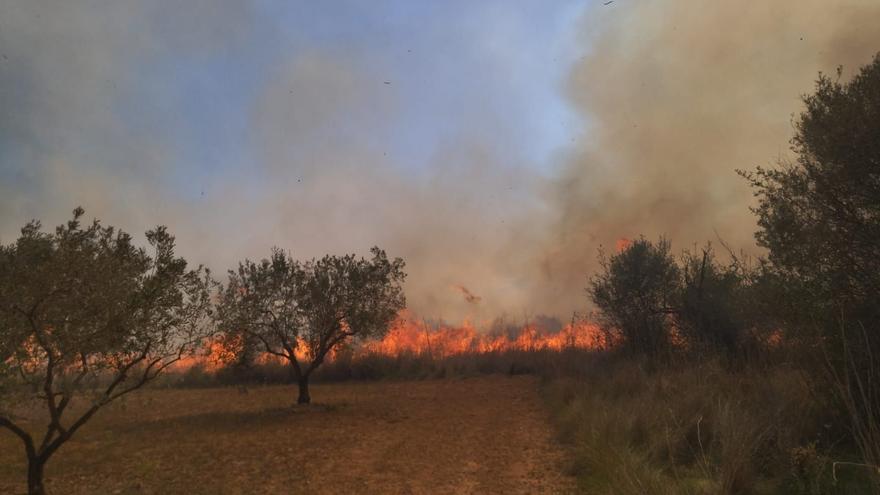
column 697, row 429
column 476, row 435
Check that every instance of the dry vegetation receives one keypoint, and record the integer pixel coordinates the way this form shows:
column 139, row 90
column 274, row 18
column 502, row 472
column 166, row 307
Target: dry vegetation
column 635, row 426
column 699, row 429
column 476, row 435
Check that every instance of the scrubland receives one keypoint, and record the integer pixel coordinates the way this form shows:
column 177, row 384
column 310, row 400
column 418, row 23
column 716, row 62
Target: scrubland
column 702, row 429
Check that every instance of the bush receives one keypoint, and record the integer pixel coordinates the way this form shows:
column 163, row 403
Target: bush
column 634, row 293
column 707, row 304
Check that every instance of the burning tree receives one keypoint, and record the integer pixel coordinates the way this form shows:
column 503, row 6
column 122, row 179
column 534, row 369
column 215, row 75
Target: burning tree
column 86, row 318
column 301, row 311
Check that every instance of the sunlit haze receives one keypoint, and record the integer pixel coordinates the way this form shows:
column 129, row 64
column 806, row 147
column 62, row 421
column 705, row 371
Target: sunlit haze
column 495, row 146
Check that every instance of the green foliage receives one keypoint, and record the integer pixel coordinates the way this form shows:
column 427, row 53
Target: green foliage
column 307, row 309
column 820, row 220
column 259, row 303
column 707, row 313
column 820, row 216
column 345, row 297
column 718, row 307
column 644, row 296
column 82, row 310
column 85, row 300
column 634, row 293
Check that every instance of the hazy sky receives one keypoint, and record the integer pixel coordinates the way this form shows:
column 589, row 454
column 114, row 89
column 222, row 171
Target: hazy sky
column 494, row 145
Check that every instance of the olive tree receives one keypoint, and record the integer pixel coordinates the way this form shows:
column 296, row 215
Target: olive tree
column 259, row 304
column 302, row 311
column 87, row 317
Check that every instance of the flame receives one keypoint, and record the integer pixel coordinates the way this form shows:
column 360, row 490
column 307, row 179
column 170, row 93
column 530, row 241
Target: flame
column 409, row 336
column 211, row 359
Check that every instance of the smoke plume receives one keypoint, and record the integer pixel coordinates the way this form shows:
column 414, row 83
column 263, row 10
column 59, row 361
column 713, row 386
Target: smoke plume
column 673, row 96
column 677, row 95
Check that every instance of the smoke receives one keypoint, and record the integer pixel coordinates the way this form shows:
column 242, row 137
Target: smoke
column 97, row 111
column 677, row 95
column 83, row 121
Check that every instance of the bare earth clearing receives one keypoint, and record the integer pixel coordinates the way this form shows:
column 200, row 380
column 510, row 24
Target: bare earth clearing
column 477, row 435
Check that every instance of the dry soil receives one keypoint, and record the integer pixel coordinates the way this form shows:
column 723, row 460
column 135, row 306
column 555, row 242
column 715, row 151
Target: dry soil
column 476, row 435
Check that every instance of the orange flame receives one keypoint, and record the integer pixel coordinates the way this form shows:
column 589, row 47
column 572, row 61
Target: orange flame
column 622, row 244
column 408, row 335
column 210, row 359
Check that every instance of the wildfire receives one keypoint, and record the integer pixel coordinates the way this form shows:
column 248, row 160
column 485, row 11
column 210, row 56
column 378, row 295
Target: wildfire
column 211, row 359
column 410, row 335
column 622, row 244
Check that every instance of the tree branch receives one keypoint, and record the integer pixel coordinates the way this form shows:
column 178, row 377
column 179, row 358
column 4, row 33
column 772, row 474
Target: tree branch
column 20, row 433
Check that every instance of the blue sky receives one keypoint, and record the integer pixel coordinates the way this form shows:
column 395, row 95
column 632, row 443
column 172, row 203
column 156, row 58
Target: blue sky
column 453, row 68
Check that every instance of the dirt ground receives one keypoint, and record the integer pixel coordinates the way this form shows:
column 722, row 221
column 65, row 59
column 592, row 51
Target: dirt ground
column 476, row 435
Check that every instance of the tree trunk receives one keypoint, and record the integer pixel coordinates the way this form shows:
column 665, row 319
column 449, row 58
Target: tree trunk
column 304, row 397
column 35, row 476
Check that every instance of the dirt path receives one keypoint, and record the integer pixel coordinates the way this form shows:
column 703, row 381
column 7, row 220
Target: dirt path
column 476, row 435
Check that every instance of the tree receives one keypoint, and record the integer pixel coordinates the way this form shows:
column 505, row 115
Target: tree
column 301, row 312
column 634, row 293
column 819, row 218
column 84, row 313
column 259, row 304
column 708, row 307
column 343, row 298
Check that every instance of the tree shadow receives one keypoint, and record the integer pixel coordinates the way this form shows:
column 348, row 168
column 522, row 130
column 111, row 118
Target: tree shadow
column 230, row 420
